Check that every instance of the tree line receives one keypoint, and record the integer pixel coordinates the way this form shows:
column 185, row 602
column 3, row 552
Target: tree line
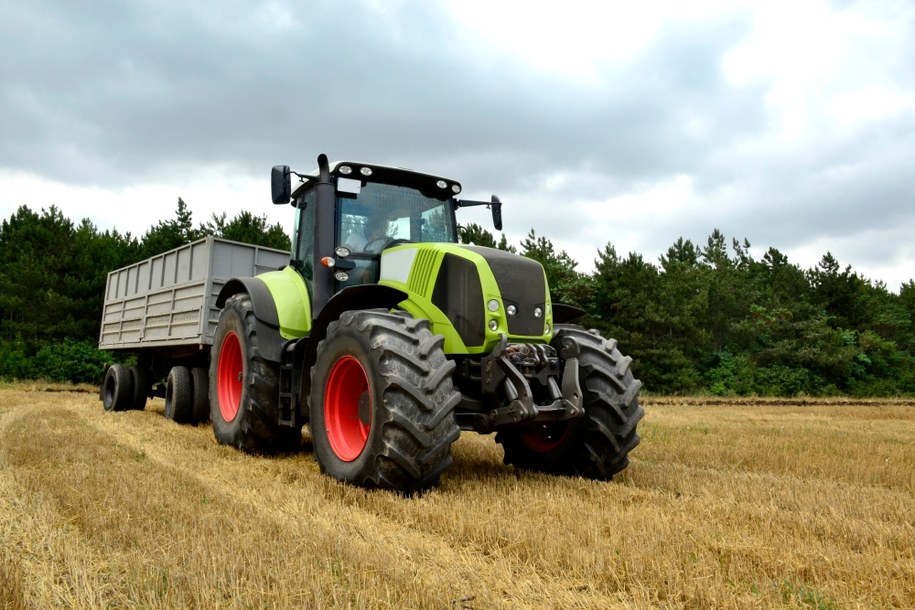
column 705, row 318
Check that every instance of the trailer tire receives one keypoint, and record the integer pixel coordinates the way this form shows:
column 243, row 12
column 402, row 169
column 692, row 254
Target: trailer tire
column 244, row 387
column 179, row 398
column 139, row 382
column 597, row 445
column 382, row 402
column 200, row 404
column 117, row 394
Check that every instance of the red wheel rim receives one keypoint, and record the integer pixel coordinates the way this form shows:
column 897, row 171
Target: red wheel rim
column 229, row 373
column 546, row 437
column 346, row 386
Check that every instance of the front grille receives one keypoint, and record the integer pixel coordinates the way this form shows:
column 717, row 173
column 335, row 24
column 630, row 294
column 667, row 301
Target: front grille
column 459, row 295
column 523, row 284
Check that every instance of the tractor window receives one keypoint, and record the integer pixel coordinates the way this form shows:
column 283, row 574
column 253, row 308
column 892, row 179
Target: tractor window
column 304, row 237
column 382, row 212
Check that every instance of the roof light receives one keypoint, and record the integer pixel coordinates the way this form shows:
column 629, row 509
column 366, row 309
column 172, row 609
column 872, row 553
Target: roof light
column 441, row 184
column 365, row 171
column 456, row 188
column 346, row 170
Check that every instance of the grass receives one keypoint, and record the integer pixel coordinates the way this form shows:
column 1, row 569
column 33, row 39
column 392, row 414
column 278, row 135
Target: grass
column 809, row 504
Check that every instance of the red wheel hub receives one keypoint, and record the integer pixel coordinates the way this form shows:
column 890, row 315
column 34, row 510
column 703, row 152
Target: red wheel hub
column 546, row 437
column 347, row 408
column 229, row 373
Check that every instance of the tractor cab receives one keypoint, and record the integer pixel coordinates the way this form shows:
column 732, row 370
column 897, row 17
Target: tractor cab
column 348, row 213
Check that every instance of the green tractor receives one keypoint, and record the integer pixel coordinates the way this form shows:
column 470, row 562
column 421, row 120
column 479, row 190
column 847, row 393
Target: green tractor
column 388, row 337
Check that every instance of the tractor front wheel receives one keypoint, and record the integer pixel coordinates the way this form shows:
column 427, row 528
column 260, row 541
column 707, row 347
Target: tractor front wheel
column 382, row 402
column 597, row 445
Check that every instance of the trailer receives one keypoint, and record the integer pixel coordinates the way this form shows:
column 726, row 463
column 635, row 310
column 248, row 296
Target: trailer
column 163, row 311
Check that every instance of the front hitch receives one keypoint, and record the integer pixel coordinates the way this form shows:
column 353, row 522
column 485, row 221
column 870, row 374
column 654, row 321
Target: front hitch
column 507, row 373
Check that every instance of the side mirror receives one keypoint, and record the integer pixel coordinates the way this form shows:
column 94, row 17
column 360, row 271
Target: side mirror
column 496, row 206
column 280, row 184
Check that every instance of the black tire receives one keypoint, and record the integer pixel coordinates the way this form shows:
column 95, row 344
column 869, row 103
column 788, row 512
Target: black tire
column 117, row 393
column 200, row 403
column 244, row 387
column 597, row 445
column 179, row 397
column 139, row 381
column 382, row 402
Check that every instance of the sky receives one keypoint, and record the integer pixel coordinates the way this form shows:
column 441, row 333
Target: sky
column 788, row 124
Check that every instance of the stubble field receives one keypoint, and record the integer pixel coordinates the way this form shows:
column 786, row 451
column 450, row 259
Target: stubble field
column 727, row 504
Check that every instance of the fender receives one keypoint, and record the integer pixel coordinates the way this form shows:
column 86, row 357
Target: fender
column 366, row 296
column 267, row 321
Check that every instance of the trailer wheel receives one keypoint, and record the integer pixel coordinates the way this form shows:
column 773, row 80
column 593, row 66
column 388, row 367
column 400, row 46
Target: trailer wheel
column 382, row 402
column 179, row 398
column 200, row 381
column 117, row 394
column 597, row 445
column 139, row 381
column 244, row 387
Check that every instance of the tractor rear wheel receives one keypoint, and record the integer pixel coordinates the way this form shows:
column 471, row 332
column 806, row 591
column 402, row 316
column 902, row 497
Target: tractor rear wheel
column 382, row 402
column 117, row 393
column 179, row 397
column 597, row 445
column 244, row 387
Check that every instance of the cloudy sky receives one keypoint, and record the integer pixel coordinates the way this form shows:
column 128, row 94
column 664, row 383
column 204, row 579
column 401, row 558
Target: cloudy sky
column 790, row 124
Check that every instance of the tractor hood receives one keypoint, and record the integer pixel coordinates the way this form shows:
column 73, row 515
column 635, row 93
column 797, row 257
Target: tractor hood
column 472, row 295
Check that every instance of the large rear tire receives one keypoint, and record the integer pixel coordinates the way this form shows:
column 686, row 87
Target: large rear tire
column 117, row 393
column 597, row 445
column 244, row 387
column 382, row 402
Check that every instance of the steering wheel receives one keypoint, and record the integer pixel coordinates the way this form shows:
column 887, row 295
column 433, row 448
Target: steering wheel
column 383, row 243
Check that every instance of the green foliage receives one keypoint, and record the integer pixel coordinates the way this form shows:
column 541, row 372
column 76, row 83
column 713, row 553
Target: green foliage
column 73, row 361
column 566, row 284
column 249, row 229
column 170, row 234
column 721, row 322
column 475, row 234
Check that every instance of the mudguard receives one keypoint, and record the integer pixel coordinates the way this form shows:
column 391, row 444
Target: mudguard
column 269, row 342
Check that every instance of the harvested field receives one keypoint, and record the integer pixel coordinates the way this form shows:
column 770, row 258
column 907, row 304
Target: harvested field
column 727, row 504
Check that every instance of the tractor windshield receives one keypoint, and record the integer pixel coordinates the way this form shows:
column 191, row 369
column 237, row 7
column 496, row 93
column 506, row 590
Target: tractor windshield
column 378, row 215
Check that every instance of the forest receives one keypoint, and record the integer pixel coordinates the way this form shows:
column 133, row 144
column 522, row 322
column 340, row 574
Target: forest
column 704, row 319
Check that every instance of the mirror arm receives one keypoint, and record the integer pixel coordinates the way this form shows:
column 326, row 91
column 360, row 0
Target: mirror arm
column 495, row 204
